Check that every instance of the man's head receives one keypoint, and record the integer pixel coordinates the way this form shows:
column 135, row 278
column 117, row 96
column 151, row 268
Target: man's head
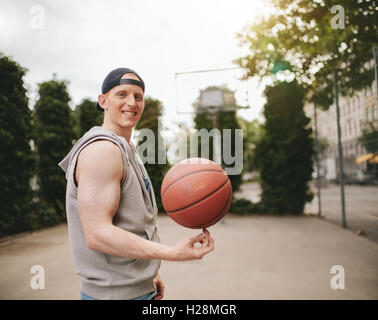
column 122, row 98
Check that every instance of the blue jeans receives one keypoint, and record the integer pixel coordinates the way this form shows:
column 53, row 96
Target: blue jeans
column 148, row 296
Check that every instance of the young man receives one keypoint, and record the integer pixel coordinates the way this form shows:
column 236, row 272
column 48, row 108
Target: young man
column 110, row 203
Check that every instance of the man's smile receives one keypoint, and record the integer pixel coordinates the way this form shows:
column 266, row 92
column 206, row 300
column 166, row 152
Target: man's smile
column 129, row 113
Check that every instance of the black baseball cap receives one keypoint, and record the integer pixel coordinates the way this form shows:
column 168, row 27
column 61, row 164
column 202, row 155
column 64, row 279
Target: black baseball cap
column 113, row 79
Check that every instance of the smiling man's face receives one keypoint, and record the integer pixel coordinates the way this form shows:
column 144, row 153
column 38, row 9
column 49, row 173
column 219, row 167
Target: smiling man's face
column 123, row 105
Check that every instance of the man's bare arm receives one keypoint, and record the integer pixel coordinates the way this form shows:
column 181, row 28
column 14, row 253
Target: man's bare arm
column 99, row 173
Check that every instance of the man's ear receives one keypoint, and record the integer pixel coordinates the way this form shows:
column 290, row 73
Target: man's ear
column 102, row 100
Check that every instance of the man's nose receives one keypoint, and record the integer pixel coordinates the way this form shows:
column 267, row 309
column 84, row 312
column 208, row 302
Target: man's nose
column 130, row 100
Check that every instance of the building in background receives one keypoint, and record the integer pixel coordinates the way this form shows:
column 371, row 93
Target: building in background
column 356, row 113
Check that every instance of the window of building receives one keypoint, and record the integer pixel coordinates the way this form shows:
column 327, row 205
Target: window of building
column 374, row 111
column 368, row 119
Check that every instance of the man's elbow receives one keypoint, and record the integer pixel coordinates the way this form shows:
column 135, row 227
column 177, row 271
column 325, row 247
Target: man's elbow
column 92, row 240
column 98, row 238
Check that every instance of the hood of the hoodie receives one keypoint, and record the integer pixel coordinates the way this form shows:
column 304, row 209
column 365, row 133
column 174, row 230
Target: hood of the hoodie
column 93, row 134
column 65, row 163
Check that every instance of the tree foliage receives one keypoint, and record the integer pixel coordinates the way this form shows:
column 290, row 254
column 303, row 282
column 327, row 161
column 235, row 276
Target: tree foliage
column 369, row 138
column 54, row 134
column 87, row 116
column 283, row 156
column 150, row 120
column 225, row 120
column 303, row 37
column 252, row 133
column 228, row 120
column 16, row 158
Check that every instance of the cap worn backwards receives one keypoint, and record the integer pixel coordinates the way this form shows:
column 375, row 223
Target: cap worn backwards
column 113, row 79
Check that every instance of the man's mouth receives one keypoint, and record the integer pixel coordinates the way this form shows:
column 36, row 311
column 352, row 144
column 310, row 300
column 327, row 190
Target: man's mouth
column 129, row 113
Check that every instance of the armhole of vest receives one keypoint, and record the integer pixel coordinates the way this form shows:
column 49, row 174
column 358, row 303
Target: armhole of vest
column 125, row 164
column 117, row 143
column 125, row 158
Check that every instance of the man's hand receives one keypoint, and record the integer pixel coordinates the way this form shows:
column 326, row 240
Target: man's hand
column 159, row 287
column 186, row 249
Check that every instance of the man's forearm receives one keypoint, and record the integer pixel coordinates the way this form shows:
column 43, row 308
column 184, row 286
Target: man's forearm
column 116, row 241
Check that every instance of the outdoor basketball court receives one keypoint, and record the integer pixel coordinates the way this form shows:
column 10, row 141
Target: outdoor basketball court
column 254, row 258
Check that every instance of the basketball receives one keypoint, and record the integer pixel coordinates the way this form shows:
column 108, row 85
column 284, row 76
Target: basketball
column 196, row 193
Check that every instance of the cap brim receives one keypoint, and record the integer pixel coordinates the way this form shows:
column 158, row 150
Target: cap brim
column 98, row 107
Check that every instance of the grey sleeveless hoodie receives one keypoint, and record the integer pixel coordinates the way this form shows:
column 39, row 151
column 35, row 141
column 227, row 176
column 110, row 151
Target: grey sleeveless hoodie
column 104, row 276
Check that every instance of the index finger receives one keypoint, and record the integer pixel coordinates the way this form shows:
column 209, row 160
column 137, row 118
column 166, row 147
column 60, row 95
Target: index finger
column 204, row 230
column 208, row 248
column 197, row 238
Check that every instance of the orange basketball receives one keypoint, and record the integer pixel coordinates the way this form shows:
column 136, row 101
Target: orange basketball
column 196, row 193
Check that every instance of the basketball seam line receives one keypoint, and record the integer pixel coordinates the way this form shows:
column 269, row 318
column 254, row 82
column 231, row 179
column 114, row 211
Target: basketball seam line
column 188, row 174
column 229, row 196
column 201, row 198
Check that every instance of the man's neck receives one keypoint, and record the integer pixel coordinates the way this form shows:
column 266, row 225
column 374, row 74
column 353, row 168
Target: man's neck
column 119, row 131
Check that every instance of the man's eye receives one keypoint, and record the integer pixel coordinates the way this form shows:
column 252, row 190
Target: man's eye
column 138, row 98
column 122, row 95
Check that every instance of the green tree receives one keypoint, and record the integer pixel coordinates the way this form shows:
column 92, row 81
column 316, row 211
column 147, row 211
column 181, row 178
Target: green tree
column 203, row 121
column 323, row 147
column 252, row 133
column 228, row 120
column 87, row 116
column 283, row 156
column 369, row 138
column 307, row 39
column 150, row 120
column 16, row 158
column 225, row 120
column 54, row 134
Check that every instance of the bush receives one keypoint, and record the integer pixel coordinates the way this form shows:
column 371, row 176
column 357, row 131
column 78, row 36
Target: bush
column 17, row 160
column 283, row 155
column 43, row 216
column 54, row 134
column 244, row 207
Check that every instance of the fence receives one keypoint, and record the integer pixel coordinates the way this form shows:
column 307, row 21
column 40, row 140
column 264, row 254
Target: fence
column 360, row 187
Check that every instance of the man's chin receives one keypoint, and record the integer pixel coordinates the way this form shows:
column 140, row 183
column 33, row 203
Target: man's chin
column 129, row 124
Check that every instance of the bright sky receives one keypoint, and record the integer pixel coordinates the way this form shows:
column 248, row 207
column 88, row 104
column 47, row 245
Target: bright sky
column 82, row 41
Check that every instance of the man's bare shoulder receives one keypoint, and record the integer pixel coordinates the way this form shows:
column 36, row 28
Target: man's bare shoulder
column 101, row 158
column 101, row 148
